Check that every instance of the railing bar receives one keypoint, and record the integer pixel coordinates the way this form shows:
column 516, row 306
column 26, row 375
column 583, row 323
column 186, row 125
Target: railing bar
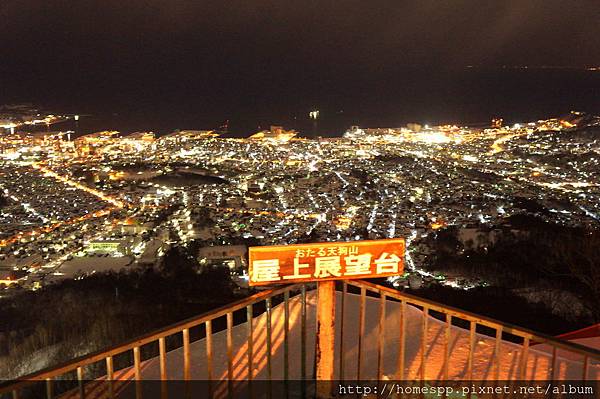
column 49, row 388
column 553, row 365
column 15, row 394
column 472, row 330
column 269, row 349
column 286, row 328
column 186, row 354
column 586, row 361
column 162, row 358
column 303, row 340
column 162, row 350
column 230, row 354
column 138, row 372
column 209, row 355
column 401, row 350
column 424, row 328
column 497, row 350
column 361, row 330
column 380, row 340
column 524, row 355
column 269, row 332
column 314, row 363
column 209, row 350
column 343, row 310
column 80, row 384
column 249, row 341
column 303, row 333
column 109, row 376
column 447, row 345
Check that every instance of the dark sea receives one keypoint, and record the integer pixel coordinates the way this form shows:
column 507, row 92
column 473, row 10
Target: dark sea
column 469, row 96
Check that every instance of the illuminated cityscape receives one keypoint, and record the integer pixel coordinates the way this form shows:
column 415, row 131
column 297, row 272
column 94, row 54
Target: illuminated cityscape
column 268, row 199
column 74, row 206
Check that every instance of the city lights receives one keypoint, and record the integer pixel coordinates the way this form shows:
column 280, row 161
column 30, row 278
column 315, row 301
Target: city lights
column 365, row 185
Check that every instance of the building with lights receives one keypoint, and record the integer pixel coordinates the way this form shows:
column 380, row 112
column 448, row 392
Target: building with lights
column 111, row 247
column 232, row 256
column 8, row 276
column 275, row 133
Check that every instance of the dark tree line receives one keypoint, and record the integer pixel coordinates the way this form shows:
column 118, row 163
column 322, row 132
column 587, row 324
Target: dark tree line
column 561, row 262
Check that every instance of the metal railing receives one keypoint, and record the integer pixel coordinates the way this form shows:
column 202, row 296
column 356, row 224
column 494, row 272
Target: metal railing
column 450, row 316
column 51, row 374
column 262, row 304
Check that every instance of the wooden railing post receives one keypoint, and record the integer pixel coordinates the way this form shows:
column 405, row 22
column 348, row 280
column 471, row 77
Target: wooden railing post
column 325, row 337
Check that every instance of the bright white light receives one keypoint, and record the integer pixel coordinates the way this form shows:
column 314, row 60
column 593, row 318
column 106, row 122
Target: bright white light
column 433, row 138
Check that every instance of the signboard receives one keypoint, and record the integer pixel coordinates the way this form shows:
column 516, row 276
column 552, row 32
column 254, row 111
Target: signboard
column 285, row 264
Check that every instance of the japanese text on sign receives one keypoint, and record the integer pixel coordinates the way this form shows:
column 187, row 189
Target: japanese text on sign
column 326, row 261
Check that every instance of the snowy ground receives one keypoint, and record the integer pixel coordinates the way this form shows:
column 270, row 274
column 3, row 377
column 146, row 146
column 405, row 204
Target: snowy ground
column 538, row 364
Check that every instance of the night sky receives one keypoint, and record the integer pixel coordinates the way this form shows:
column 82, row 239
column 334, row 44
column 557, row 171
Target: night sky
column 266, row 58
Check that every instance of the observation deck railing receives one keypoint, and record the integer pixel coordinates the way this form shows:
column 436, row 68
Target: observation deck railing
column 72, row 378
